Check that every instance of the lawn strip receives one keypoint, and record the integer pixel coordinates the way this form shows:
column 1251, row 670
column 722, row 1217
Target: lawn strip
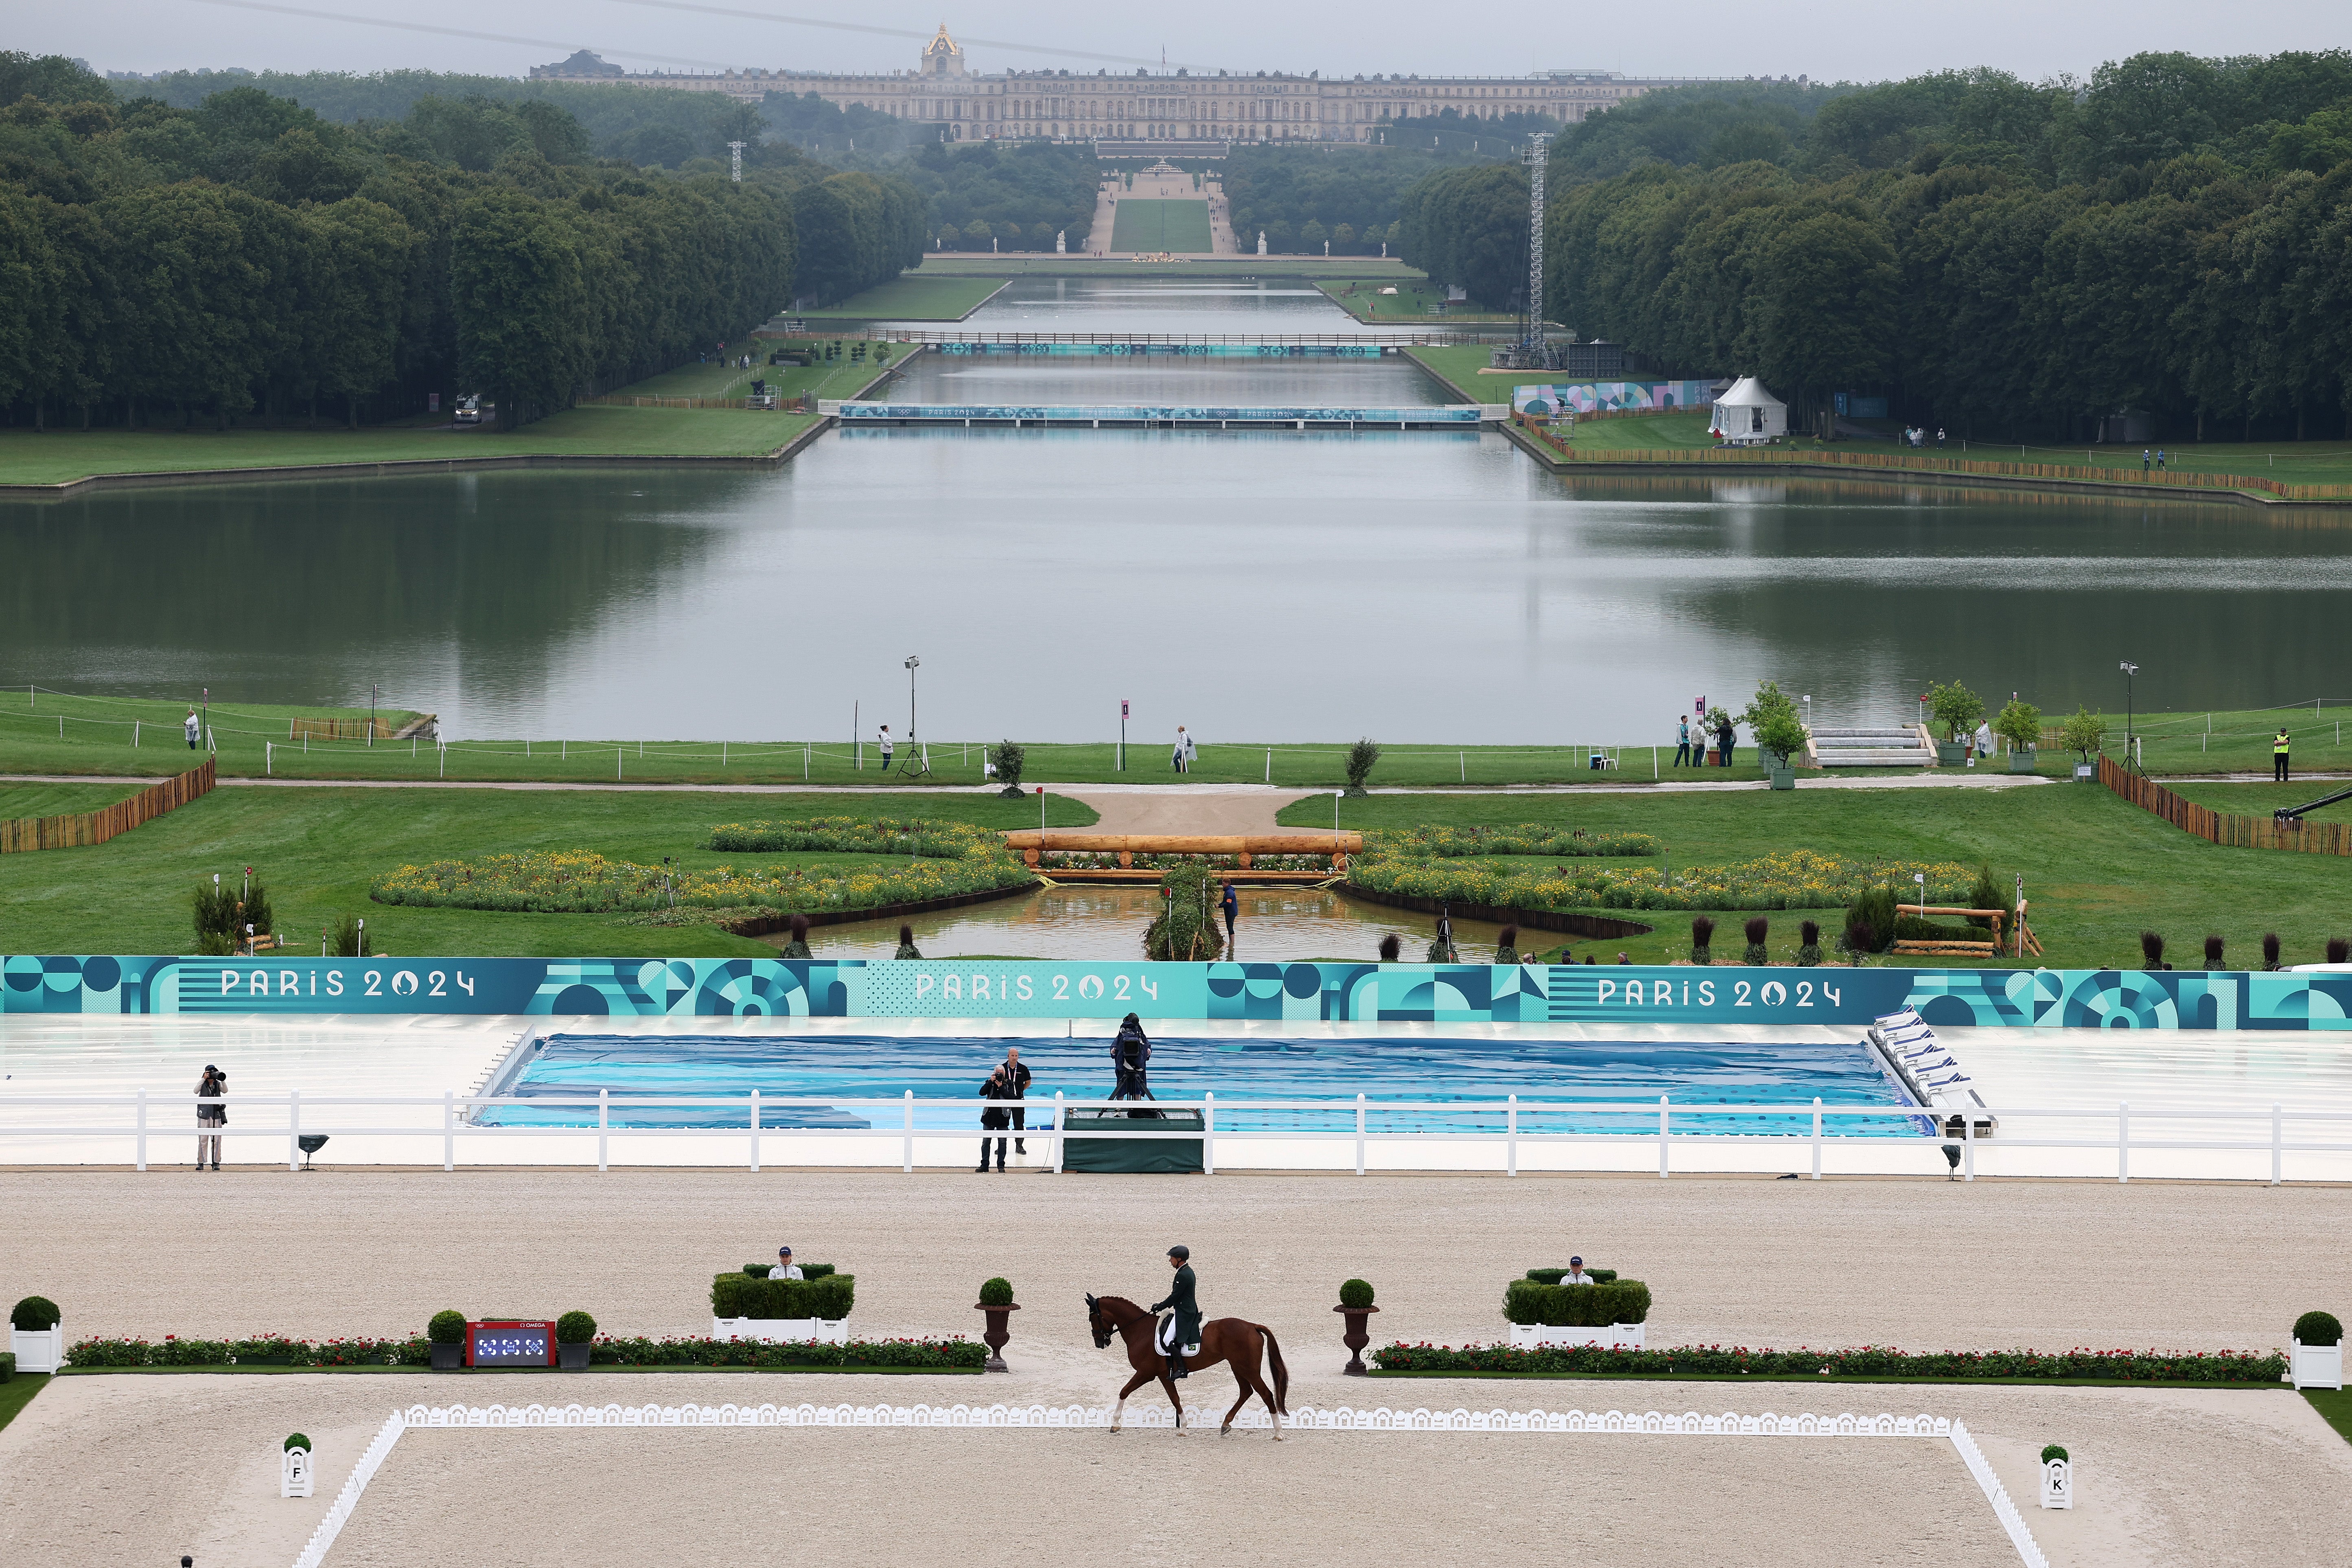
column 18, row 1392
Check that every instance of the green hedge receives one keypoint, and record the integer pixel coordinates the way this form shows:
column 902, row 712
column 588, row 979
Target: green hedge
column 928, row 1354
column 808, row 1270
column 739, row 1295
column 1554, row 1276
column 8, row 1365
column 1576, row 1306
column 266, row 1349
column 1868, row 1361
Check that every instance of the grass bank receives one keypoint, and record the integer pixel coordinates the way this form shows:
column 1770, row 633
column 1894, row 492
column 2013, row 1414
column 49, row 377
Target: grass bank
column 2097, row 871
column 913, row 297
column 1148, row 223
column 1047, row 266
column 316, row 850
column 1408, row 306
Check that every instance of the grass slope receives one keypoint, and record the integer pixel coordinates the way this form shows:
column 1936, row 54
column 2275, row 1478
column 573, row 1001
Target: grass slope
column 58, row 800
column 913, row 298
column 317, row 849
column 1362, row 298
column 2097, row 871
column 1149, row 225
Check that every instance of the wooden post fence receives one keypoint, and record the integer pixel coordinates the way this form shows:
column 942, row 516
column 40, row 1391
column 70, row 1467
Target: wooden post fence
column 2225, row 829
column 82, row 828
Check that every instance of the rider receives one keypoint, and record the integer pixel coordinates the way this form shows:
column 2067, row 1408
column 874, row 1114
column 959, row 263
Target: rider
column 1188, row 1311
column 1129, row 1053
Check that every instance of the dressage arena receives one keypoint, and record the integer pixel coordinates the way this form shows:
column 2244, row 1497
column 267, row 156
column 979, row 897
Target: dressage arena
column 142, row 1467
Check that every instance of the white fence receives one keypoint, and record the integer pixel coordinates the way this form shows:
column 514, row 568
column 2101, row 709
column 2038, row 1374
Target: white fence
column 1491, row 1135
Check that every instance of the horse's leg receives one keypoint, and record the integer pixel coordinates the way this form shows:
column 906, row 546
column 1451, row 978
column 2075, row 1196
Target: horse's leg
column 1244, row 1361
column 1167, row 1381
column 1138, row 1381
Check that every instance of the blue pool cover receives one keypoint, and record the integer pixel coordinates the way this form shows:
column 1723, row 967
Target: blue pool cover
column 885, row 1066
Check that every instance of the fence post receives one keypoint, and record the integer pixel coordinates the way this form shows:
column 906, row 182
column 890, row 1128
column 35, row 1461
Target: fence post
column 293, row 1129
column 1359, row 1133
column 2123, row 1141
column 448, row 1130
column 755, row 1129
column 142, row 1131
column 1662, row 1137
column 1058, row 1126
column 1511, row 1137
column 2278, row 1144
column 1209, row 1135
column 906, row 1151
column 604, row 1125
column 1817, row 1137
column 1967, row 1146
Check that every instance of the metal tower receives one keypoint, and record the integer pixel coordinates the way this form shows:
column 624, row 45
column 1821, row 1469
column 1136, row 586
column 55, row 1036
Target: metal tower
column 737, row 149
column 1532, row 334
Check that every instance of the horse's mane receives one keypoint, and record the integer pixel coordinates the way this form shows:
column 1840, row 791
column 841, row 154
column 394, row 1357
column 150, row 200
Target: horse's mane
column 1120, row 1302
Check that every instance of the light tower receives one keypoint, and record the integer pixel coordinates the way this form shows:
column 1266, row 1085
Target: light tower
column 737, row 149
column 1531, row 336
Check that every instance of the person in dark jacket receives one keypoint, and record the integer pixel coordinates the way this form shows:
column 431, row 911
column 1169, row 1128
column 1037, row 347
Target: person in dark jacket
column 1014, row 1073
column 1724, row 739
column 1232, row 904
column 992, row 1119
column 212, row 1118
column 1188, row 1311
column 1130, row 1054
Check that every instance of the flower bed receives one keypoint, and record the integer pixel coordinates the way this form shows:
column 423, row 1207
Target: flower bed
column 945, row 859
column 1107, row 860
column 942, row 1355
column 1795, row 879
column 265, row 1350
column 1867, row 1361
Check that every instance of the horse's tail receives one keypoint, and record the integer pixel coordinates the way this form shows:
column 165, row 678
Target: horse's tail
column 1281, row 1372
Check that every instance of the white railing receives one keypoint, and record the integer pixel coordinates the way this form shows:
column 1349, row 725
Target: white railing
column 1504, row 1125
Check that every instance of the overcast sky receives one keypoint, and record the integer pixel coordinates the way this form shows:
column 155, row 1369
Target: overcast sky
column 1828, row 40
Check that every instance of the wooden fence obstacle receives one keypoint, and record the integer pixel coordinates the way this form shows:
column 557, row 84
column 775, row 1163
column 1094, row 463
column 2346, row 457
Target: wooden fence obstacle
column 2225, row 829
column 80, row 829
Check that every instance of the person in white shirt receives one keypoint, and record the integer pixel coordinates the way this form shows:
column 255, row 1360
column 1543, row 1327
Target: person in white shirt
column 1984, row 738
column 785, row 1268
column 883, row 740
column 191, row 729
column 1576, row 1274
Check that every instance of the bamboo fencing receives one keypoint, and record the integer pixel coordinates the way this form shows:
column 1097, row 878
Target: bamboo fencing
column 338, row 728
column 2224, row 827
column 1902, row 463
column 80, row 829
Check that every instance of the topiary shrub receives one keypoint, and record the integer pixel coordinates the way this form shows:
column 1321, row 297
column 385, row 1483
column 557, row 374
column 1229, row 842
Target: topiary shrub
column 996, row 1292
column 575, row 1328
column 8, row 1365
column 1985, row 895
column 2213, row 951
column 2318, row 1329
column 2339, row 950
column 1356, row 1294
column 446, row 1328
column 1702, row 939
column 296, row 1440
column 35, row 1315
column 2052, row 1451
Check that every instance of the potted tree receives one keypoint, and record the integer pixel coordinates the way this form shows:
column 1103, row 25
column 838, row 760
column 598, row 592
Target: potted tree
column 575, row 1335
column 34, row 1335
column 2020, row 723
column 2318, row 1358
column 447, row 1332
column 996, row 1300
column 1956, row 710
column 2083, row 733
column 1778, row 732
column 1355, row 1305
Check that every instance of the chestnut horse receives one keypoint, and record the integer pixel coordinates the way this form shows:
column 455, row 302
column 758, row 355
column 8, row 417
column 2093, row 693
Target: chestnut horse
column 1234, row 1341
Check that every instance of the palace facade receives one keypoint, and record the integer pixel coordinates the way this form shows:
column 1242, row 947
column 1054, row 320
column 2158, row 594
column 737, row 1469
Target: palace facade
column 1161, row 106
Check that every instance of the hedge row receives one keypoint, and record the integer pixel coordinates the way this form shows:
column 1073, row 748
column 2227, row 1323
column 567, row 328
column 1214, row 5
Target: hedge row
column 1576, row 1306
column 265, row 1350
column 607, row 1351
column 1868, row 1361
column 1792, row 879
column 920, row 836
column 739, row 1295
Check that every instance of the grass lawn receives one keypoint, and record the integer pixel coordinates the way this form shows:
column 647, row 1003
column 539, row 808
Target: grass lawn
column 57, row 457
column 2290, row 462
column 1145, row 223
column 317, row 849
column 912, row 297
column 2097, row 871
column 841, row 377
column 19, row 1392
column 2262, row 799
column 58, row 800
column 2333, row 1404
column 1362, row 298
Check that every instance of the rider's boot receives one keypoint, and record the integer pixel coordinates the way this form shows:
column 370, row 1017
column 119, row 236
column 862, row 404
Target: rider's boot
column 1176, row 1367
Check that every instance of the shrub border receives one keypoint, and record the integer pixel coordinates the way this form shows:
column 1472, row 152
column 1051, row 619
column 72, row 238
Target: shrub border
column 1601, row 927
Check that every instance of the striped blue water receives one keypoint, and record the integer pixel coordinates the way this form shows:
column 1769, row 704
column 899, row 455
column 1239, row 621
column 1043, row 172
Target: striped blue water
column 832, row 1068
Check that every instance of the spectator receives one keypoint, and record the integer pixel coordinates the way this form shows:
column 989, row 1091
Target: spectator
column 785, row 1268
column 1724, row 739
column 1015, row 1074
column 1939, row 437
column 883, row 739
column 194, row 728
column 1232, row 904
column 1622, row 958
column 210, row 1089
column 1682, row 743
column 1984, row 737
column 906, row 943
column 992, row 1119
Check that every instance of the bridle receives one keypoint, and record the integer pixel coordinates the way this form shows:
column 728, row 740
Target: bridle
column 1104, row 1329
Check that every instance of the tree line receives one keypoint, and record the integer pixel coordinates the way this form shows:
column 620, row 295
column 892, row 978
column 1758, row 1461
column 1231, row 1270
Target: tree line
column 248, row 257
column 2008, row 259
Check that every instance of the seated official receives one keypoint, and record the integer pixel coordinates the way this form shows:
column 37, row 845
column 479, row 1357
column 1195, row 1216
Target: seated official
column 1576, row 1274
column 785, row 1268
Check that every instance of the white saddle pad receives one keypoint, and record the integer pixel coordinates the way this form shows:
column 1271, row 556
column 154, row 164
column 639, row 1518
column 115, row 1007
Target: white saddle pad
column 1166, row 1339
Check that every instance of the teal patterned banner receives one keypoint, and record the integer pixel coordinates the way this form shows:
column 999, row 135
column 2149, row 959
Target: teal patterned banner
column 1720, row 995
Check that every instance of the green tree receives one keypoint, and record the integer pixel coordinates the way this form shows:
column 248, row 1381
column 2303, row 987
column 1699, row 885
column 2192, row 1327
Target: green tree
column 518, row 296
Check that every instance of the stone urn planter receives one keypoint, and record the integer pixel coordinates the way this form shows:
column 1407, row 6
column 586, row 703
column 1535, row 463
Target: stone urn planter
column 999, row 1330
column 1356, row 1338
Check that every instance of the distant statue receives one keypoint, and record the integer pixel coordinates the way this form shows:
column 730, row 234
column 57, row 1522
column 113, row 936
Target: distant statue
column 1327, row 250
column 1261, row 242
column 1062, row 242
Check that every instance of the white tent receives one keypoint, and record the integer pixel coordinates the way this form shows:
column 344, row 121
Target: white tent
column 1749, row 416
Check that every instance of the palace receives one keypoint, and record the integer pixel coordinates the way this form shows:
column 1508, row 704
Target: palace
column 1159, row 107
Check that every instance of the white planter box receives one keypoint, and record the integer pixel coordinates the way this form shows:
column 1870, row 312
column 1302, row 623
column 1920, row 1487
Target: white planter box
column 38, row 1349
column 2058, row 1483
column 2308, row 1366
column 796, row 1329
column 1540, row 1336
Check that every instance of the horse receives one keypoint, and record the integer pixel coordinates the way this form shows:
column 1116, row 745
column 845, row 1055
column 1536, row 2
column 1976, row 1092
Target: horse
column 1236, row 1341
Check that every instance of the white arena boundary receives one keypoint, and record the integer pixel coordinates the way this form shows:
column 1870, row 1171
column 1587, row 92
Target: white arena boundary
column 1082, row 1418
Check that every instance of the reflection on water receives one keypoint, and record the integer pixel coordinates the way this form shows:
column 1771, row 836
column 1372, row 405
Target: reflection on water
column 1100, row 923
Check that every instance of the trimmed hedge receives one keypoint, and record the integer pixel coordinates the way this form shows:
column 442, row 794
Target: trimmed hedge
column 448, row 1327
column 34, row 1314
column 808, row 1270
column 996, row 1292
column 1356, row 1293
column 1576, row 1306
column 1866, row 1361
column 935, row 1354
column 2318, row 1329
column 8, row 1365
column 830, row 1296
column 266, row 1349
column 575, row 1328
column 1554, row 1276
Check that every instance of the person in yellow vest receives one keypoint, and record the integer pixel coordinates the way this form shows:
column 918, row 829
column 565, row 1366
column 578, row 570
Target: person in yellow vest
column 2278, row 757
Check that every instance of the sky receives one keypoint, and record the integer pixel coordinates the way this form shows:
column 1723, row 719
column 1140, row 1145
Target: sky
column 1827, row 40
